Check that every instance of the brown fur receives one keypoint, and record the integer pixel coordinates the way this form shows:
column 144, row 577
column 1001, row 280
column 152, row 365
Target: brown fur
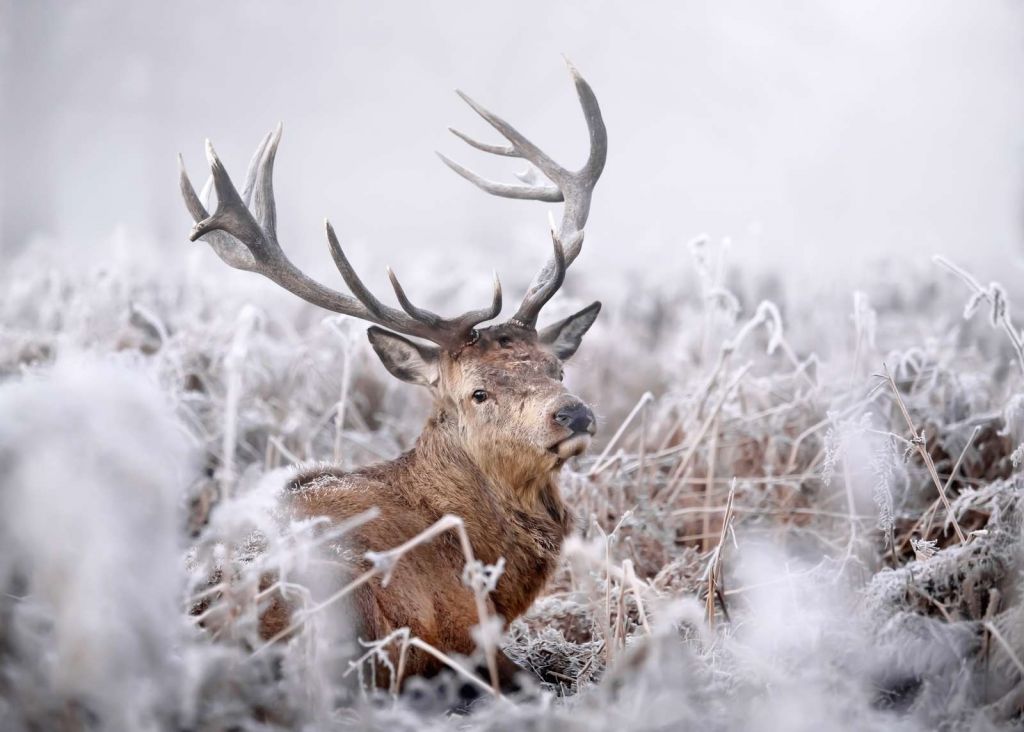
column 490, row 463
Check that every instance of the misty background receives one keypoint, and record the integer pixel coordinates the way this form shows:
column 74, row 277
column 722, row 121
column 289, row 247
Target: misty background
column 822, row 138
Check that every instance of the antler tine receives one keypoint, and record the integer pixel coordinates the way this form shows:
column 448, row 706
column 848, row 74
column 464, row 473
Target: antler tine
column 463, row 323
column 254, row 163
column 504, row 150
column 421, row 314
column 526, row 316
column 348, row 273
column 263, row 207
column 550, row 194
column 475, row 317
column 227, row 247
column 575, row 188
column 520, row 144
column 243, row 232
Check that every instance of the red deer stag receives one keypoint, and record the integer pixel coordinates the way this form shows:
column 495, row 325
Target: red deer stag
column 502, row 422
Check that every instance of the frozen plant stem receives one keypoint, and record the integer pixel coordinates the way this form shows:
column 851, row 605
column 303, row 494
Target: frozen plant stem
column 339, row 417
column 383, row 565
column 388, row 559
column 919, row 443
column 709, row 485
column 644, row 400
column 715, row 567
column 233, row 362
column 1001, row 311
column 629, row 573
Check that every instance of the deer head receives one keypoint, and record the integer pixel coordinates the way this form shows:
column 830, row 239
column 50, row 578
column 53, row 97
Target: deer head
column 498, row 388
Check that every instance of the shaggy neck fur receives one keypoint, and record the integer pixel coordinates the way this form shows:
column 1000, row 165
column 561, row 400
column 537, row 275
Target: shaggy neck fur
column 510, row 505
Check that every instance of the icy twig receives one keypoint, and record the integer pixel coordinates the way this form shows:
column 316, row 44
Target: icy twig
column 919, row 443
column 455, row 666
column 386, row 561
column 384, row 564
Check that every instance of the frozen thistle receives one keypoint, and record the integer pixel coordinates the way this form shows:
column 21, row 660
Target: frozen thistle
column 383, row 564
column 924, row 549
column 481, row 577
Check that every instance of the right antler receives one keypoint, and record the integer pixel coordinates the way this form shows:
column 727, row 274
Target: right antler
column 243, row 232
column 575, row 188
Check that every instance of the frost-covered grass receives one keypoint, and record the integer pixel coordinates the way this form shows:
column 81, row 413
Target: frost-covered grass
column 801, row 515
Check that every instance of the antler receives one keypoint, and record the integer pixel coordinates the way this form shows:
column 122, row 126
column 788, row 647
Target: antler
column 575, row 188
column 243, row 232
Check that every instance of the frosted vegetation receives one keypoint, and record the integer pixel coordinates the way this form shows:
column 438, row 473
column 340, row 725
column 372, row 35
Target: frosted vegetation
column 801, row 515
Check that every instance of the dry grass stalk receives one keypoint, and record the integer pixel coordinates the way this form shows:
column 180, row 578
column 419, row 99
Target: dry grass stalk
column 637, row 590
column 710, row 481
column 675, row 482
column 715, row 566
column 456, row 666
column 1007, row 647
column 918, row 441
column 641, row 403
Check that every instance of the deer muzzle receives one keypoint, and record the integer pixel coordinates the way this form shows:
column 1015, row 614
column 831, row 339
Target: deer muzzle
column 578, row 419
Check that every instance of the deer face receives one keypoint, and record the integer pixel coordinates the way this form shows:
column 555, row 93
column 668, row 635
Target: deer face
column 504, row 392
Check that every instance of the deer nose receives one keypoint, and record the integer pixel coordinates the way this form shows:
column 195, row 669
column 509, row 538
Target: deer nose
column 577, row 417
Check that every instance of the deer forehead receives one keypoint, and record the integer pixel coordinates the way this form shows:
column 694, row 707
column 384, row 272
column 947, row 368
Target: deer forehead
column 519, row 365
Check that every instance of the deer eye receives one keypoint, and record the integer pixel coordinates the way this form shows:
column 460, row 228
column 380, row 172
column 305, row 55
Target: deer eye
column 505, row 342
column 561, row 374
column 479, row 396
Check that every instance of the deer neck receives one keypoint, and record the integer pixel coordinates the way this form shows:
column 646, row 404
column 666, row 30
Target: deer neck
column 510, row 511
column 505, row 478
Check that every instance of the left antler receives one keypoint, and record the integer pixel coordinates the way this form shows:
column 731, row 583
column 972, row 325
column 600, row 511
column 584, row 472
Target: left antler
column 573, row 187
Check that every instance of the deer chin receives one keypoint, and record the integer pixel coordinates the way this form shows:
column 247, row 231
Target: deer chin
column 572, row 446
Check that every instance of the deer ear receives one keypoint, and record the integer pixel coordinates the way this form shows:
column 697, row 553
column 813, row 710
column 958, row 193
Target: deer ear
column 564, row 337
column 405, row 360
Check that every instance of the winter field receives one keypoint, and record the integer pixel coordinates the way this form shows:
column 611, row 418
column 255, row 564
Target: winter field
column 800, row 514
